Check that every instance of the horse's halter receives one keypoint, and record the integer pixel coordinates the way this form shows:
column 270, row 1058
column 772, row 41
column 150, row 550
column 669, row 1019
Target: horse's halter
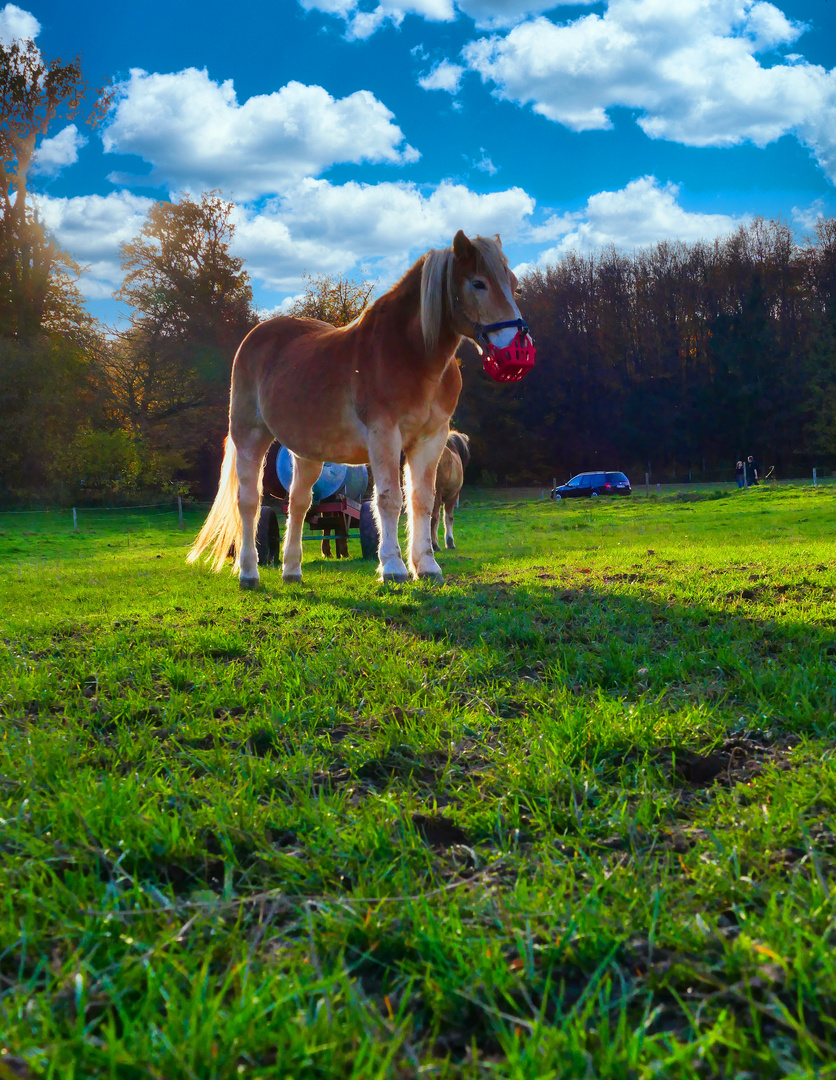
column 511, row 362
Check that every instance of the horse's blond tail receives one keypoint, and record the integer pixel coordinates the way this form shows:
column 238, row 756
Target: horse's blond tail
column 221, row 531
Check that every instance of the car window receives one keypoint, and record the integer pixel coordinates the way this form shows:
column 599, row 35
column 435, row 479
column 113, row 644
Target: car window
column 598, row 479
column 617, row 478
column 585, row 479
column 575, row 481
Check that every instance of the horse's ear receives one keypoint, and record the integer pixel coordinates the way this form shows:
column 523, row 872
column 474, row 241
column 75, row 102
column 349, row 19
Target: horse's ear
column 497, row 238
column 462, row 247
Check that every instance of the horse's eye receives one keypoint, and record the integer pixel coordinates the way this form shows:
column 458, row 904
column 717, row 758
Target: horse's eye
column 477, row 284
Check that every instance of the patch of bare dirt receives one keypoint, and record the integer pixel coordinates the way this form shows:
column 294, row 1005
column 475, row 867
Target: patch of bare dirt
column 439, row 831
column 737, row 761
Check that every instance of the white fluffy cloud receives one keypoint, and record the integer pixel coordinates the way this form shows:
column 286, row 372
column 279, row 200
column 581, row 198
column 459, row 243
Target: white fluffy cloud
column 61, row 150
column 689, row 67
column 196, row 134
column 487, row 14
column 644, row 212
column 484, row 164
column 444, row 76
column 380, row 229
column 320, row 227
column 494, row 14
column 316, row 227
column 806, row 217
column 91, row 228
column 17, row 24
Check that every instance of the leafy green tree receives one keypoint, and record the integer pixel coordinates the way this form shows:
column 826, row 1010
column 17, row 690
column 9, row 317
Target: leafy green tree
column 183, row 282
column 109, row 461
column 45, row 395
column 192, row 305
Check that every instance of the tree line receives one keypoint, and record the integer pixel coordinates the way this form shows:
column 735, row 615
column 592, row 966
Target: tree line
column 679, row 358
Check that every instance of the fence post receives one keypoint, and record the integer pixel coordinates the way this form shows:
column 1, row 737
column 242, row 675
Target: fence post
column 75, row 520
column 180, row 511
column 647, row 484
column 815, row 480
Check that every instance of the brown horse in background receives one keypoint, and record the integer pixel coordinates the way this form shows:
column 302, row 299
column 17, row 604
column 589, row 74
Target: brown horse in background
column 386, row 383
column 449, row 479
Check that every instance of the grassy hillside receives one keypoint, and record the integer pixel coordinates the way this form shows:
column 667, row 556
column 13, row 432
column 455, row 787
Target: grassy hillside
column 570, row 816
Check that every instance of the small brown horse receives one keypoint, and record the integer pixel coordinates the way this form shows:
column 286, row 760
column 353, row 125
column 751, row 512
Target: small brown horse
column 386, row 383
column 449, row 478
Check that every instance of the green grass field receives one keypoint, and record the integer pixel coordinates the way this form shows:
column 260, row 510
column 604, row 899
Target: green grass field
column 570, row 816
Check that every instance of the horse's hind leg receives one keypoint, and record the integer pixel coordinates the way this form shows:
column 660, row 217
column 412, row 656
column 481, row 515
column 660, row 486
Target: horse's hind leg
column 384, row 454
column 251, row 447
column 305, row 475
column 434, row 517
column 434, row 520
column 449, row 510
column 422, row 463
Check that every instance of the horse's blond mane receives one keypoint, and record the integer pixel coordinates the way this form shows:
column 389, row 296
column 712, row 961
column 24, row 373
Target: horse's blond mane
column 438, row 279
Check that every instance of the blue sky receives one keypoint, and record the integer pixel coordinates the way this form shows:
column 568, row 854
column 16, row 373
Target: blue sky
column 353, row 135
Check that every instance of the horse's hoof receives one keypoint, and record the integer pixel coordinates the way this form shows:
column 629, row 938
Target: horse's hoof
column 247, row 584
column 292, row 578
column 432, row 577
column 394, row 578
column 451, row 543
column 437, row 546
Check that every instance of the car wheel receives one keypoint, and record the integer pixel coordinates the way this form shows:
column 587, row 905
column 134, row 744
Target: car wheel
column 557, row 496
column 594, row 494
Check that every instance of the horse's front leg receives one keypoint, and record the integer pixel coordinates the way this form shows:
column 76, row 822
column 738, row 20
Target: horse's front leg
column 251, row 446
column 384, row 456
column 305, row 475
column 421, row 465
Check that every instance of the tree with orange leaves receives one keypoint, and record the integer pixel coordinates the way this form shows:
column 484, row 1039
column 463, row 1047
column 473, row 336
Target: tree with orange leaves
column 33, row 92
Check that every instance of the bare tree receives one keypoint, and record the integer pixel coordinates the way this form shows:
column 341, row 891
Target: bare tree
column 336, row 300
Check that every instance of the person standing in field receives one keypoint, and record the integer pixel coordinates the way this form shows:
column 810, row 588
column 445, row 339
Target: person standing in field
column 752, row 471
column 738, row 474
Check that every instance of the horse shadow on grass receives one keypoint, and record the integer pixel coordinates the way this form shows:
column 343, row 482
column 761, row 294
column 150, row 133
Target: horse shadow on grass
column 712, row 692
column 723, row 690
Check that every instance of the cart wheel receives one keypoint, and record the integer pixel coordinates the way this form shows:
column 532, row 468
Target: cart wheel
column 268, row 538
column 369, row 536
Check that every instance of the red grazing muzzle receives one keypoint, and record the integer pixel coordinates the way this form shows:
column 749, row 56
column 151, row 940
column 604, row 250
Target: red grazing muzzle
column 510, row 363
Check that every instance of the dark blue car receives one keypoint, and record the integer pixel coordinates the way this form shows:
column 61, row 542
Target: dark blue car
column 588, row 484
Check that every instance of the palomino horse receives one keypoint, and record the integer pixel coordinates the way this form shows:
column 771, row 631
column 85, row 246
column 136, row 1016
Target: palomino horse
column 386, row 383
column 449, row 478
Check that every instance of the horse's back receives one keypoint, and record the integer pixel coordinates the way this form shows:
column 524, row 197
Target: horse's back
column 274, row 335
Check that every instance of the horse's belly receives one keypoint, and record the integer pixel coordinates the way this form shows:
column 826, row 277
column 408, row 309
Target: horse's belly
column 341, row 443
